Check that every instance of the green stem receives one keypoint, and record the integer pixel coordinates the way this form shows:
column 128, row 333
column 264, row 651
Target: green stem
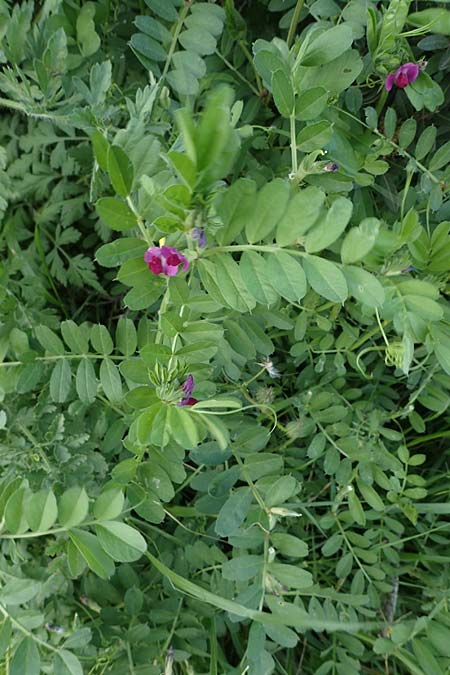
column 63, row 356
column 294, row 21
column 293, row 144
column 238, row 73
column 140, row 222
column 173, row 44
column 25, row 631
column 249, row 57
column 130, row 660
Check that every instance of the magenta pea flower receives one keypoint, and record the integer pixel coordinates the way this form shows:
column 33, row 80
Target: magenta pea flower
column 165, row 260
column 188, row 388
column 403, row 76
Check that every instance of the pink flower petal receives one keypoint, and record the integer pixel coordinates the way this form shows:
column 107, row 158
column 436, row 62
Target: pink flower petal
column 412, row 71
column 389, row 82
column 154, row 252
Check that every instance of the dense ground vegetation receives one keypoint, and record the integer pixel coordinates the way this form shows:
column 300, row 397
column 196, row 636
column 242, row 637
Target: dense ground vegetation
column 224, row 337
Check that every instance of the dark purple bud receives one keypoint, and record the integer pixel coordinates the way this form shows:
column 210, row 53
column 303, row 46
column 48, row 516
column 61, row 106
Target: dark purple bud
column 408, row 269
column 331, row 167
column 188, row 400
column 198, row 234
column 188, row 386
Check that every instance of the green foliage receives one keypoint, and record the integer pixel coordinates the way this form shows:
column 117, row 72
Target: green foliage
column 289, row 510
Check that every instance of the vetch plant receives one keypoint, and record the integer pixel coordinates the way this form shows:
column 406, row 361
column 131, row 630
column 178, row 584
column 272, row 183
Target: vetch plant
column 224, row 338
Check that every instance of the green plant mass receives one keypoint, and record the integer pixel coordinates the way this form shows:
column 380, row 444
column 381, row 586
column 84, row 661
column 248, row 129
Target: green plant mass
column 224, row 337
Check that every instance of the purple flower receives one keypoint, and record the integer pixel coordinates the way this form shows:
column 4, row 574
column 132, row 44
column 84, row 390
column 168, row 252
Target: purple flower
column 408, row 269
column 165, row 260
column 331, row 167
column 198, row 234
column 403, row 76
column 188, row 388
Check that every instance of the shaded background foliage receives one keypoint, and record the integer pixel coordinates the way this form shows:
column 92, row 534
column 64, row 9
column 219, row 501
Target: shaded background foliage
column 296, row 519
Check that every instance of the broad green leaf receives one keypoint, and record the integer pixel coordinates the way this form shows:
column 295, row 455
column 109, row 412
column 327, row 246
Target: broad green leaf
column 359, row 241
column 86, row 381
column 425, row 142
column 143, row 297
column 281, row 490
column 356, row 509
column 120, row 170
column 327, row 46
column 371, row 496
column 166, row 10
column 41, row 510
column 74, row 337
column 429, row 310
column 60, row 381
column 15, row 512
column 19, row 591
column 271, row 203
column 364, row 286
column 300, row 215
column 283, row 93
column 407, row 132
column 334, row 77
column 49, row 340
column 73, row 507
column 441, row 157
column 311, row 103
column 66, row 663
column 111, row 381
column 329, row 228
column 390, row 122
column 152, row 27
column 109, row 504
column 198, row 40
column 262, row 464
column 233, row 512
column 217, row 429
column 135, row 272
column 101, row 339
column 100, row 145
column 94, row 555
column 439, row 636
column 290, row 575
column 282, row 635
column 235, row 207
column 286, row 276
column 238, row 339
column 126, row 336
column 26, row 659
column 425, row 657
column 197, row 352
column 76, row 563
column 231, row 285
column 122, row 542
column 116, row 214
column 315, row 136
column 120, row 250
column 256, row 277
column 289, row 545
column 147, row 46
column 183, row 428
column 325, row 278
column 242, row 568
